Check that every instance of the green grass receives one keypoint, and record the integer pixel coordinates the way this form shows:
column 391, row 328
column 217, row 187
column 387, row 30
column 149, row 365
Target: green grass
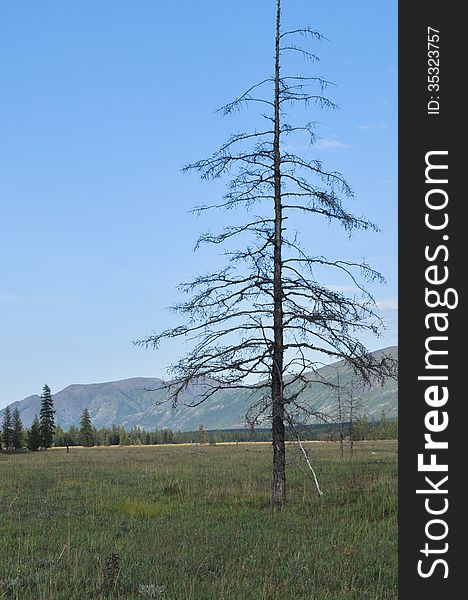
column 194, row 522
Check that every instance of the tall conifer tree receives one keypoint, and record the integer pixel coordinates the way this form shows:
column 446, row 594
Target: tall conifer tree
column 46, row 418
column 86, row 429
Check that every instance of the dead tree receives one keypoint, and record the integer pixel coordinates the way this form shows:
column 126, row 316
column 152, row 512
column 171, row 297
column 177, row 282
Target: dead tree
column 265, row 322
column 340, row 413
column 353, row 393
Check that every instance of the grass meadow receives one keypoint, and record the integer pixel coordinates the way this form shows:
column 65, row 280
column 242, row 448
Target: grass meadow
column 195, row 523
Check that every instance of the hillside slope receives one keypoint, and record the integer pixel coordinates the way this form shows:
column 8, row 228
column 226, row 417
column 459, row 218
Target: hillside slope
column 136, row 402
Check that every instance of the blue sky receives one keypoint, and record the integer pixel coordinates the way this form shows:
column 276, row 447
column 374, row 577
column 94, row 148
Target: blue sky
column 101, row 104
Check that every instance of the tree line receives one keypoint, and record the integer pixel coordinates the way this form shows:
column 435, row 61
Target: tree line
column 361, row 429
column 44, row 433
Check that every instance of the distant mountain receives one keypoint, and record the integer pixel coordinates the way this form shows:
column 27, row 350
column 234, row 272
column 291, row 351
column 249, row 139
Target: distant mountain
column 136, row 402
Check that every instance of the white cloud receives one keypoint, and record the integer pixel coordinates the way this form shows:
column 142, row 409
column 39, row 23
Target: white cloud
column 292, row 148
column 329, row 143
column 372, row 125
column 387, row 304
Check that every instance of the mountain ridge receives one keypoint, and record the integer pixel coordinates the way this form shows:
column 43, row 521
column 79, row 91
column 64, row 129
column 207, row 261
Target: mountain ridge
column 136, row 402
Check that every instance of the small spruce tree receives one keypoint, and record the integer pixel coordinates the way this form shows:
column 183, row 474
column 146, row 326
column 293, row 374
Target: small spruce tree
column 46, row 418
column 383, row 426
column 16, row 430
column 7, row 429
column 74, row 435
column 86, row 429
column 201, row 434
column 114, row 437
column 34, row 435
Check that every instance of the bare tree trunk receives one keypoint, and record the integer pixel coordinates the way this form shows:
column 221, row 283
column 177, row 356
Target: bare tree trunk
column 278, row 496
column 351, row 422
column 340, row 414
